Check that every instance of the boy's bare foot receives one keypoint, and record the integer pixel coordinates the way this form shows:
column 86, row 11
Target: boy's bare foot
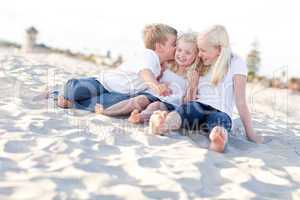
column 135, row 117
column 63, row 103
column 156, row 122
column 218, row 139
column 99, row 109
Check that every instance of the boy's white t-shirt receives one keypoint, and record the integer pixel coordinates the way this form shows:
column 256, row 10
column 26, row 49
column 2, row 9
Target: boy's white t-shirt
column 125, row 79
column 176, row 83
column 221, row 97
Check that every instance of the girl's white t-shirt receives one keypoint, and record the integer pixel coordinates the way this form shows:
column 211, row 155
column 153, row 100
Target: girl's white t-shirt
column 221, row 97
column 176, row 83
column 125, row 79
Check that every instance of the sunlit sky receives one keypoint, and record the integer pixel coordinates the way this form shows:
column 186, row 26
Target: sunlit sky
column 100, row 25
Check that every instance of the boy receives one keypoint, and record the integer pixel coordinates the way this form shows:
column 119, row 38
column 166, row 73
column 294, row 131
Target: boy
column 132, row 77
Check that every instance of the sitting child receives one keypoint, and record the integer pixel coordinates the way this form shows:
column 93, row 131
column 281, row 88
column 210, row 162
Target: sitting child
column 130, row 78
column 175, row 77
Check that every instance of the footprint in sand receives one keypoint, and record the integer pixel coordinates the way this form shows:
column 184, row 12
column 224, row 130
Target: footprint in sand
column 6, row 190
column 19, row 146
column 107, row 150
column 7, row 164
column 150, row 162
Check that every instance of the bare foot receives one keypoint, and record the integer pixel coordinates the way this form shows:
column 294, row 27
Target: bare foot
column 64, row 103
column 218, row 139
column 156, row 122
column 99, row 109
column 135, row 117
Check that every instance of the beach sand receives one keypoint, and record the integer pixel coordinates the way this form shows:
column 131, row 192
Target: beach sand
column 51, row 153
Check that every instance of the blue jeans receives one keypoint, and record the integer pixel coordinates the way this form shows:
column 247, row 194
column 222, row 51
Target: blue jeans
column 86, row 92
column 82, row 89
column 199, row 116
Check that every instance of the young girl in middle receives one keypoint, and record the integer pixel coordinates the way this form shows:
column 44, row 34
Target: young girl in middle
column 177, row 75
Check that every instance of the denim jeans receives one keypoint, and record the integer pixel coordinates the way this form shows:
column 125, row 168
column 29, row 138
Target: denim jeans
column 82, row 89
column 199, row 116
column 86, row 92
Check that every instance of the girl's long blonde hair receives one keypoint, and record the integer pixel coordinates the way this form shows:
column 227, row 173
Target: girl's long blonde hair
column 218, row 37
column 190, row 37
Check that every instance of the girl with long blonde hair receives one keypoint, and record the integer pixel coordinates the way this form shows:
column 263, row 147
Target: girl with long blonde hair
column 222, row 85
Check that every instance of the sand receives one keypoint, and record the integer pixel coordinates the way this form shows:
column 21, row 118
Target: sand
column 52, row 153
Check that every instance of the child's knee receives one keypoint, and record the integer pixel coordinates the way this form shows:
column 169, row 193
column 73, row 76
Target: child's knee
column 71, row 82
column 142, row 100
column 155, row 105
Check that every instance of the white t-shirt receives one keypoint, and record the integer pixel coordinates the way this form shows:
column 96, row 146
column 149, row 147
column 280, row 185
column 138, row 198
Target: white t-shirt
column 176, row 83
column 221, row 96
column 125, row 79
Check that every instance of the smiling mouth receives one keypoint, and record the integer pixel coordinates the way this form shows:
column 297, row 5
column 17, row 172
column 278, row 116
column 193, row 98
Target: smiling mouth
column 181, row 60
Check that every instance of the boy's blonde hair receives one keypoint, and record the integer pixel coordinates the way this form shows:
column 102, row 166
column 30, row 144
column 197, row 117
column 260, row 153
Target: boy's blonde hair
column 190, row 37
column 217, row 36
column 157, row 33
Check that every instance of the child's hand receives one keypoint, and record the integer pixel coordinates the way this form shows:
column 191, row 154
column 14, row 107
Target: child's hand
column 164, row 90
column 259, row 139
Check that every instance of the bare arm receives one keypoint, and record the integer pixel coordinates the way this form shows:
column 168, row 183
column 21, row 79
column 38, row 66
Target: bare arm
column 191, row 91
column 240, row 99
column 153, row 84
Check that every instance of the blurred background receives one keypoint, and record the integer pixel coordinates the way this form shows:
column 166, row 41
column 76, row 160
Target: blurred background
column 265, row 33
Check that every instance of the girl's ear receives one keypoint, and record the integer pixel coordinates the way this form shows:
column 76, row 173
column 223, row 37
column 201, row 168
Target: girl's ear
column 158, row 46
